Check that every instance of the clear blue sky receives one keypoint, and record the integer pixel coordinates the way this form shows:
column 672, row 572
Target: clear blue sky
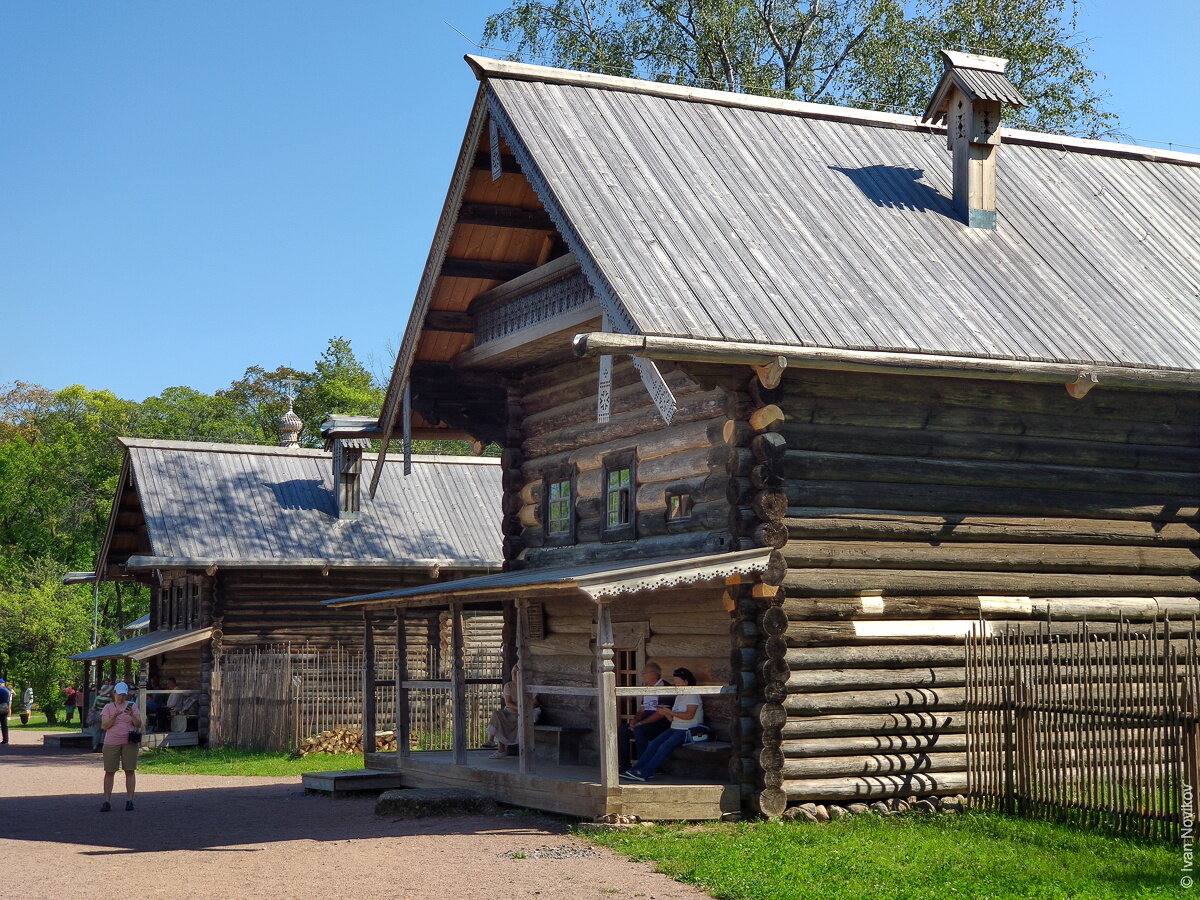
column 187, row 189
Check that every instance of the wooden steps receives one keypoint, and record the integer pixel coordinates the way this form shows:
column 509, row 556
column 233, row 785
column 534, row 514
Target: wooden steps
column 70, row 740
column 350, row 781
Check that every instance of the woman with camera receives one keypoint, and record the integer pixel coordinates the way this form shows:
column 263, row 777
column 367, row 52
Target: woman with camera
column 121, row 722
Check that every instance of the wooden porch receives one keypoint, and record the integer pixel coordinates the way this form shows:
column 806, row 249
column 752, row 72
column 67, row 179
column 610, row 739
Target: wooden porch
column 569, row 790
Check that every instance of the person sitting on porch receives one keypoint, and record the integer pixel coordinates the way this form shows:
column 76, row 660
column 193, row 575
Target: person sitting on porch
column 648, row 724
column 686, row 713
column 504, row 730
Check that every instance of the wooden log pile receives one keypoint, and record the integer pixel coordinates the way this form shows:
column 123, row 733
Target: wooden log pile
column 344, row 740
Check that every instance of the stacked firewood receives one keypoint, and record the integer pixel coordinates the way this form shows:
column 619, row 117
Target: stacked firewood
column 344, row 740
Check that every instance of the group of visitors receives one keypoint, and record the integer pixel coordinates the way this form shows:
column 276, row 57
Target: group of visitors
column 659, row 729
column 650, row 737
column 7, row 702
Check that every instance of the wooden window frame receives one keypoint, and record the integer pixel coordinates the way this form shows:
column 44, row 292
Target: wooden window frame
column 626, row 531
column 555, row 476
column 687, row 502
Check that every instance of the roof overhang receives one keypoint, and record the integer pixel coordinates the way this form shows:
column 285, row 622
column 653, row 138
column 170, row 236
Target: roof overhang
column 596, row 581
column 147, row 645
column 150, row 563
column 1081, row 376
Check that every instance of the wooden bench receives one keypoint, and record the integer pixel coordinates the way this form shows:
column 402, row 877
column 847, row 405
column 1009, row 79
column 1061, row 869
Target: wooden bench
column 565, row 741
column 68, row 740
column 707, row 759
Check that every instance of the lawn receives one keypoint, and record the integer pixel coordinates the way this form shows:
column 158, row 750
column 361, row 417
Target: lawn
column 37, row 722
column 975, row 855
column 228, row 761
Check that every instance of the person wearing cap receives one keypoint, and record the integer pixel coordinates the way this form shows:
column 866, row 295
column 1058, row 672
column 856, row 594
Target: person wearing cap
column 118, row 719
column 5, row 709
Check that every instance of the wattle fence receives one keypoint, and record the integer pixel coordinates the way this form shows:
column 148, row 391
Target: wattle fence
column 272, row 697
column 1099, row 726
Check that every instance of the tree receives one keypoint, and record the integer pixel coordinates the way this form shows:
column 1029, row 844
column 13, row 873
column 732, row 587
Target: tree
column 42, row 622
column 339, row 383
column 878, row 54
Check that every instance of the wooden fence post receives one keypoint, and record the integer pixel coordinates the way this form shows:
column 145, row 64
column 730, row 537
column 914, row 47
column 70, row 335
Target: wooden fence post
column 368, row 683
column 524, row 707
column 458, row 685
column 403, row 715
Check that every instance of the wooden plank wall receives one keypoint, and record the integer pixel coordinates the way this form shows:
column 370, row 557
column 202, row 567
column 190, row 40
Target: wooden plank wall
column 276, row 607
column 910, row 499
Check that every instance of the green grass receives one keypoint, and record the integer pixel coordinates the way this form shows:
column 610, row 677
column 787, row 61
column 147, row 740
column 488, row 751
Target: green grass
column 37, row 722
column 228, row 761
column 975, row 855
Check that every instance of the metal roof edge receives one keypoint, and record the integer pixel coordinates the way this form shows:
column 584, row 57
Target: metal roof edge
column 147, row 563
column 486, row 67
column 309, row 452
column 602, row 578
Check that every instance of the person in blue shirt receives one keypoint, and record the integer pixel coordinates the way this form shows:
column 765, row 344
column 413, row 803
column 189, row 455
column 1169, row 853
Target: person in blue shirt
column 5, row 708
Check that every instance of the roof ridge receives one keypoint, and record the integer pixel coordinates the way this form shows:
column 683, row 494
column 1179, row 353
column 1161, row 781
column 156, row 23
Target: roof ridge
column 486, row 67
column 310, row 452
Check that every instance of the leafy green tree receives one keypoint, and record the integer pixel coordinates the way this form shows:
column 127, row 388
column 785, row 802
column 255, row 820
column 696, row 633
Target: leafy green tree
column 879, row 54
column 42, row 622
column 185, row 414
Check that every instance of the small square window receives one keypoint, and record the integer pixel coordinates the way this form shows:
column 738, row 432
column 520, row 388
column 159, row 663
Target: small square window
column 679, row 506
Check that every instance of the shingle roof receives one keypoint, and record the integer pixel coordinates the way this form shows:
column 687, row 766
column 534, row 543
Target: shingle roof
column 792, row 224
column 275, row 506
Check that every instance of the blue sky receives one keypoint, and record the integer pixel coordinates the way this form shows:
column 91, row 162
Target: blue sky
column 188, row 189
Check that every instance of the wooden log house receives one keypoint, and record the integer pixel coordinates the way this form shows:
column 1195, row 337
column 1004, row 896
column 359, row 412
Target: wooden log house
column 799, row 396
column 240, row 543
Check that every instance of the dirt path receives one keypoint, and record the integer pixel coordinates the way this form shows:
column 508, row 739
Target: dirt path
column 210, row 836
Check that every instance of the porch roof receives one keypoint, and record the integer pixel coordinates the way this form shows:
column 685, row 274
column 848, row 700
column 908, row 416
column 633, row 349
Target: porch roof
column 143, row 646
column 596, row 580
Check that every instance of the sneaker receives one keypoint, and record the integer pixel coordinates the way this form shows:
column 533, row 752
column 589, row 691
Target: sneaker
column 128, row 806
column 633, row 776
column 105, row 806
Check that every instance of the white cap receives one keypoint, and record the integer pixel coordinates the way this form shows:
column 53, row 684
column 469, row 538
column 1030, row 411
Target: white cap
column 121, row 688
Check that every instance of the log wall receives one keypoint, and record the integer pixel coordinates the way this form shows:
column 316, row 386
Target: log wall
column 917, row 507
column 685, row 627
column 553, row 425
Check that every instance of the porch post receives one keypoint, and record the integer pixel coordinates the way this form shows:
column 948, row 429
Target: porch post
column 524, row 710
column 458, row 684
column 403, row 720
column 606, row 696
column 368, row 683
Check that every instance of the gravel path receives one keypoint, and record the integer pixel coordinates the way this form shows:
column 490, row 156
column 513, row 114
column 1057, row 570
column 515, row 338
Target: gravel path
column 195, row 836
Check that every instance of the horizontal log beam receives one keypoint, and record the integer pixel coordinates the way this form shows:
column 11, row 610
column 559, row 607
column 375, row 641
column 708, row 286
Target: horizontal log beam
column 874, row 787
column 873, row 765
column 752, row 354
column 498, row 216
column 875, row 743
column 454, row 322
column 907, row 582
column 825, row 522
column 487, row 270
column 875, row 725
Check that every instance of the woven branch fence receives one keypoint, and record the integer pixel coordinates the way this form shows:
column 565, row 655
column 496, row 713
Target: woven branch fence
column 1100, row 727
column 273, row 697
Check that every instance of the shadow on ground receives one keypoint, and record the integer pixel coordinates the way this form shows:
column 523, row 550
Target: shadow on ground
column 214, row 815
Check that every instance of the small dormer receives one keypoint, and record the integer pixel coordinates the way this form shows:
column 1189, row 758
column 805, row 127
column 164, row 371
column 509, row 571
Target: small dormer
column 970, row 99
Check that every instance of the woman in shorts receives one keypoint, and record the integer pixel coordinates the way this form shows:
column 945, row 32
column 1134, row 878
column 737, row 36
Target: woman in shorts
column 117, row 719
